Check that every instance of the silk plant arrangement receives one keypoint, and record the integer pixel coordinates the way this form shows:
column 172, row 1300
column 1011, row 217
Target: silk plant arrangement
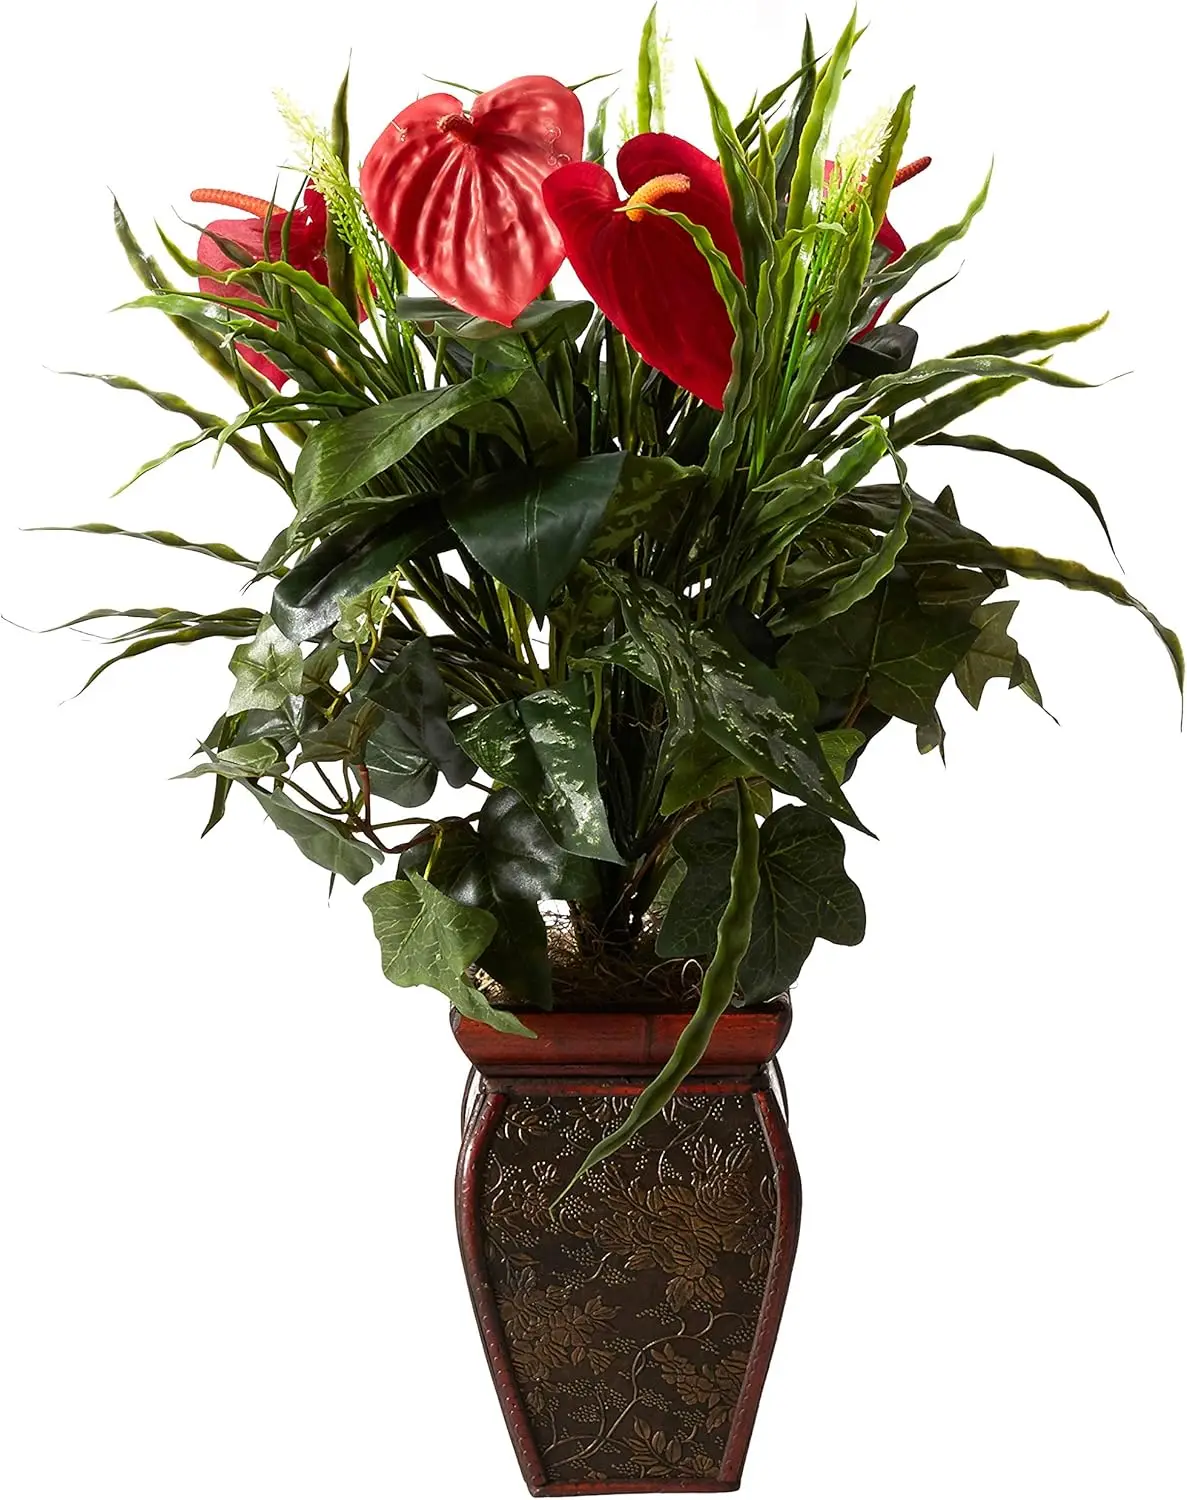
column 639, row 576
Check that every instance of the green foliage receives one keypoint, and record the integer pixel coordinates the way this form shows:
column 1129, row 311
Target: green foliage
column 518, row 552
column 426, row 937
column 804, row 894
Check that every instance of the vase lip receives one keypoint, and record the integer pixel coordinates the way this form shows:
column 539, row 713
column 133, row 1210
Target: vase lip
column 622, row 1040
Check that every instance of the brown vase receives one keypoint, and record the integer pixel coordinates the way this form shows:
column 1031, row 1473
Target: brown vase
column 629, row 1335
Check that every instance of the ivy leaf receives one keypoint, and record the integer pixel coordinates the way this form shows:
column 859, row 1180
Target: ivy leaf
column 425, row 937
column 268, row 670
column 935, row 536
column 804, row 894
column 344, row 737
column 399, row 771
column 412, row 692
column 469, row 870
column 994, row 654
column 529, row 526
column 340, row 457
column 319, row 838
column 253, row 759
column 887, row 647
column 541, row 746
column 706, row 846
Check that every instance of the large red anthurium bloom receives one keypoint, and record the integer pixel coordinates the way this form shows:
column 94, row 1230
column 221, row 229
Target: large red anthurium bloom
column 644, row 271
column 456, row 193
column 306, row 250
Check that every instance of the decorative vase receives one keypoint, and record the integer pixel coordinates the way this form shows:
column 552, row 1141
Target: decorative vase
column 628, row 1327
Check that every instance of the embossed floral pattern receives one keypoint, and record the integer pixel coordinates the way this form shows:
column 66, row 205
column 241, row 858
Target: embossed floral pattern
column 630, row 1316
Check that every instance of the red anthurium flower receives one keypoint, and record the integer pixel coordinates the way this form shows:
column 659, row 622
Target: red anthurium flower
column 644, row 271
column 306, row 250
column 457, row 194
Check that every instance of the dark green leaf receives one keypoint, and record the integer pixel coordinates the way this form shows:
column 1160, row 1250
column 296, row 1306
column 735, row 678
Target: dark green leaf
column 344, row 737
column 649, row 495
column 399, row 771
column 994, row 654
column 306, row 601
column 319, row 838
column 762, row 718
column 804, row 894
column 530, row 527
column 413, row 694
column 887, row 649
column 1026, row 456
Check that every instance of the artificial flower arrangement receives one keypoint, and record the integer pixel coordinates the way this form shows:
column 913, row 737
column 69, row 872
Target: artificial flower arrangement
column 640, row 577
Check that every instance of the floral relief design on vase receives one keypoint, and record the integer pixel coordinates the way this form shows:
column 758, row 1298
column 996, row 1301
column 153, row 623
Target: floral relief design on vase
column 630, row 1318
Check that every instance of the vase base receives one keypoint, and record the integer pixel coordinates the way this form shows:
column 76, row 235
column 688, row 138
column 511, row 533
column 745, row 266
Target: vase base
column 691, row 1487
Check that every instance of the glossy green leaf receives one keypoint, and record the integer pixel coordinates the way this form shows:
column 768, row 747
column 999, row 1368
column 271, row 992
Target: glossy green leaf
column 506, row 866
column 525, row 861
column 425, row 937
column 340, row 457
column 840, row 746
column 541, row 746
column 400, row 771
column 306, row 602
column 530, row 527
column 648, row 498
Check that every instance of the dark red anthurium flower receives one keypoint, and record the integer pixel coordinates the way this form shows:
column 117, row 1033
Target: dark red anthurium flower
column 306, row 250
column 644, row 271
column 457, row 194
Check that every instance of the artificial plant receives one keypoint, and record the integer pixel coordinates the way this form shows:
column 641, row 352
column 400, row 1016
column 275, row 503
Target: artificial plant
column 640, row 576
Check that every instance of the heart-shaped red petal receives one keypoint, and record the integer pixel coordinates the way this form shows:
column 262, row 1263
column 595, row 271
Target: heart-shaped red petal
column 458, row 196
column 307, row 251
column 645, row 272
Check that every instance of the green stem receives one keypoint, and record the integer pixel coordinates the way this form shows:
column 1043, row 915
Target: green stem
column 717, row 990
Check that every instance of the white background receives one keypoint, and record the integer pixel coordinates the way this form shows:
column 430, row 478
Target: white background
column 226, row 1144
